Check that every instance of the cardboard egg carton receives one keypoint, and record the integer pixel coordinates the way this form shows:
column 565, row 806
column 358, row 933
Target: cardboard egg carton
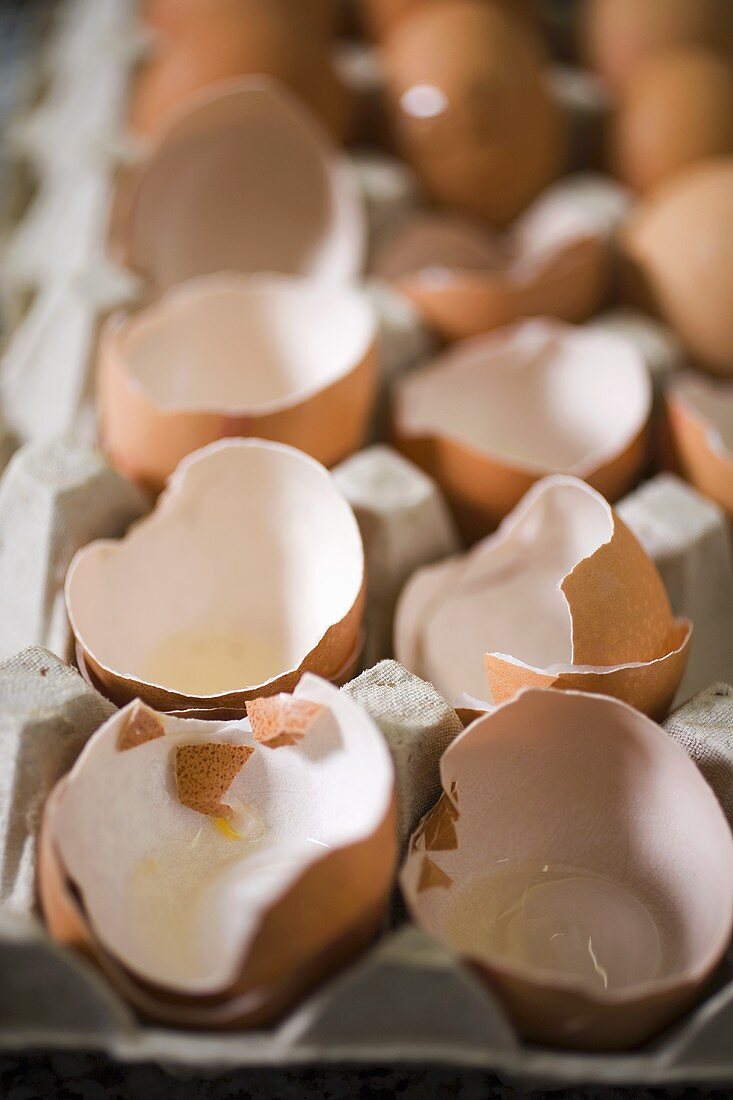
column 407, row 1000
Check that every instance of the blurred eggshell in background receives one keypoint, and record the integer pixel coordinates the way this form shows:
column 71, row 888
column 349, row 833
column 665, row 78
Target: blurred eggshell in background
column 209, row 926
column 586, row 102
column 618, row 35
column 493, row 415
column 555, row 261
column 600, row 799
column 561, row 596
column 382, row 16
column 679, row 244
column 676, row 109
column 251, row 37
column 700, row 420
column 243, row 178
column 185, row 17
column 470, row 110
column 660, row 349
column 292, row 360
column 249, row 571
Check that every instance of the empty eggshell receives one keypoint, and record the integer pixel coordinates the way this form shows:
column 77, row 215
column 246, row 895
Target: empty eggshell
column 221, row 918
column 241, row 179
column 293, row 360
column 493, row 415
column 575, row 811
column 680, row 250
column 249, row 572
column 556, row 261
column 470, row 109
column 618, row 35
column 176, row 18
column 246, row 38
column 561, row 596
column 700, row 420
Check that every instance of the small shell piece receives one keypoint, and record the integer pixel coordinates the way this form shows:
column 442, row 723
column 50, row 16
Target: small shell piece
column 556, row 261
column 492, row 415
column 214, row 881
column 700, row 419
column 561, row 863
column 249, row 572
column 241, row 178
column 293, row 360
column 281, row 719
column 561, row 596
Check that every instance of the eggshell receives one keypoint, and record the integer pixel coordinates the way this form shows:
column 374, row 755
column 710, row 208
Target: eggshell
column 470, row 110
column 566, row 779
column 382, row 16
column 293, row 360
column 251, row 37
column 119, row 852
column 184, row 17
column 680, row 248
column 700, row 419
column 492, row 415
column 251, row 541
column 555, row 261
column 242, row 178
column 562, row 595
column 618, row 35
column 676, row 109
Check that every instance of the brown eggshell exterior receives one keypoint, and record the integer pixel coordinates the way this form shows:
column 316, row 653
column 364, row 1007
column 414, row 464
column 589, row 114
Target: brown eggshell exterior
column 650, row 687
column 184, row 18
column 676, row 109
column 482, row 491
column 146, row 443
column 382, row 16
column 282, row 966
column 679, row 247
column 571, row 286
column 709, row 470
column 501, row 138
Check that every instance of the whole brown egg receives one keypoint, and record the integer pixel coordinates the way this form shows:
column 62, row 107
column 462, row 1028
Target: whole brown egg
column 248, row 37
column 616, row 35
column 382, row 16
column 680, row 249
column 676, row 108
column 470, row 110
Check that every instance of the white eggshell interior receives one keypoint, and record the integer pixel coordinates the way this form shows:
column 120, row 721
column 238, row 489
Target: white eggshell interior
column 541, row 396
column 258, row 343
column 244, row 179
column 177, row 902
column 250, row 537
column 585, row 204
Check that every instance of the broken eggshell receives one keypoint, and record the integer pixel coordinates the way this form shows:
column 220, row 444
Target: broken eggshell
column 241, row 178
column 627, row 909
column 292, row 360
column 556, row 261
column 214, row 878
column 494, row 414
column 562, row 595
column 249, row 572
column 700, row 423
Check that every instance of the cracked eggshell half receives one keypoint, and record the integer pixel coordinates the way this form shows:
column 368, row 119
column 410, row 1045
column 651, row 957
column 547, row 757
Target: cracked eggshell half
column 574, row 810
column 556, row 261
column 700, row 422
column 249, row 572
column 281, row 358
column 494, row 414
column 562, row 595
column 240, row 178
column 214, row 878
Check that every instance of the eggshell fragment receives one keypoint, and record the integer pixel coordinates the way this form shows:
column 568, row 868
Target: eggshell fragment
column 241, row 178
column 199, row 925
column 680, row 248
column 591, row 802
column 281, row 719
column 470, row 110
column 561, row 596
column 293, row 360
column 700, row 419
column 556, row 261
column 249, row 37
column 492, row 415
column 249, row 572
